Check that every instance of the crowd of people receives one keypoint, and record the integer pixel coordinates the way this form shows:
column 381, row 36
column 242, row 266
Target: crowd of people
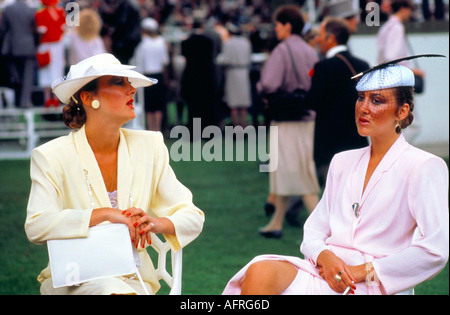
column 39, row 45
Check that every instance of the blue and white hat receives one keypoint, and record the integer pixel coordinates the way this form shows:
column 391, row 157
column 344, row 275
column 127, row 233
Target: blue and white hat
column 388, row 75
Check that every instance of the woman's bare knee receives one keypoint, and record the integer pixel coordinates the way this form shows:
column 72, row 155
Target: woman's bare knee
column 268, row 277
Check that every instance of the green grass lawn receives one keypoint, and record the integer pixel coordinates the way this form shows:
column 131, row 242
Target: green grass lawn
column 232, row 195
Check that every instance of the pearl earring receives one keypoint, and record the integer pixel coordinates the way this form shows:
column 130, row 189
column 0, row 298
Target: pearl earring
column 95, row 104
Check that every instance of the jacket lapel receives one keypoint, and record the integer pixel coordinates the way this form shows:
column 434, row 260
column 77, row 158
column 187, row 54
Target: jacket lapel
column 124, row 174
column 90, row 165
column 385, row 164
column 357, row 180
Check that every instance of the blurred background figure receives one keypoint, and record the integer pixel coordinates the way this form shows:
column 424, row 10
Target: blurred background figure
column 333, row 95
column 85, row 40
column 346, row 10
column 198, row 82
column 121, row 29
column 438, row 13
column 50, row 21
column 236, row 59
column 18, row 47
column 392, row 43
column 287, row 69
column 152, row 59
column 391, row 38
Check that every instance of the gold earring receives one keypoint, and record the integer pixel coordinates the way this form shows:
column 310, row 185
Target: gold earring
column 398, row 129
column 95, row 104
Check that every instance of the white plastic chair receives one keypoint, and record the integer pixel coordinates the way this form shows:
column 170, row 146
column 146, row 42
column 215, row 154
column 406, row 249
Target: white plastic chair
column 174, row 280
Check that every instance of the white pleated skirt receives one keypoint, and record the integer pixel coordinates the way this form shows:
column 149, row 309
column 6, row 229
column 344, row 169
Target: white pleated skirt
column 291, row 148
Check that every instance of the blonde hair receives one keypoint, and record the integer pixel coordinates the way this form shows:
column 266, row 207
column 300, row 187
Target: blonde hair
column 90, row 24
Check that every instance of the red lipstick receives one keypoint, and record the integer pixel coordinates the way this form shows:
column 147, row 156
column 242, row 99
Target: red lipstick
column 130, row 104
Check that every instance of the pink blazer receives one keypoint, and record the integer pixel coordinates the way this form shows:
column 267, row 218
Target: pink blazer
column 402, row 224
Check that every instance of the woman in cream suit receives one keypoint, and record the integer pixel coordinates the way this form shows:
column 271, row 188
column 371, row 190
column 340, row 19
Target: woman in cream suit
column 102, row 173
column 382, row 225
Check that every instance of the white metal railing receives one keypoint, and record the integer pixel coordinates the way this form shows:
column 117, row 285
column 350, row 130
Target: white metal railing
column 28, row 126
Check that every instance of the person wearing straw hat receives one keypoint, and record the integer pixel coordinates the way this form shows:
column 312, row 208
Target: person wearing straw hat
column 382, row 225
column 102, row 172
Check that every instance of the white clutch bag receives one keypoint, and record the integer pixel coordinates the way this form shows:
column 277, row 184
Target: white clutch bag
column 106, row 252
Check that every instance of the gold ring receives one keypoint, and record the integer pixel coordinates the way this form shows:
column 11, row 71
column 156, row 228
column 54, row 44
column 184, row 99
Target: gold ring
column 337, row 277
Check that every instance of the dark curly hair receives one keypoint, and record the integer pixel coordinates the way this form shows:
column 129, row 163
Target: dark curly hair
column 74, row 115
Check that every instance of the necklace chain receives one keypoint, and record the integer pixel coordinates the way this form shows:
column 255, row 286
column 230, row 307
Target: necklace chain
column 114, row 179
column 91, row 197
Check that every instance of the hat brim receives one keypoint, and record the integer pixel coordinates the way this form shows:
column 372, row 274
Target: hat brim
column 66, row 88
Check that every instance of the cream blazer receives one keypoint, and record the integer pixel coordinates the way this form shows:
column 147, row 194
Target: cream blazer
column 59, row 205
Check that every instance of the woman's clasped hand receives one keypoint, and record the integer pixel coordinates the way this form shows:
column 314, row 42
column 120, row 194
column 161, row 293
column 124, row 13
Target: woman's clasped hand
column 140, row 225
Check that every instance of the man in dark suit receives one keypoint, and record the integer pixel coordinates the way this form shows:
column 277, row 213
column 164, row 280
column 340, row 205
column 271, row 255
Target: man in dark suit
column 333, row 94
column 18, row 48
column 198, row 80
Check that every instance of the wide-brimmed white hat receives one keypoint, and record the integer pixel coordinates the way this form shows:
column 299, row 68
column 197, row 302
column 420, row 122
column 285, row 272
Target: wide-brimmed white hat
column 92, row 68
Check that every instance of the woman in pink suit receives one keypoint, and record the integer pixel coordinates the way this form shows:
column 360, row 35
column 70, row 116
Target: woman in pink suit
column 382, row 225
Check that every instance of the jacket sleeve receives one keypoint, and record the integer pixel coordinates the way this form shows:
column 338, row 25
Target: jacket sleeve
column 428, row 253
column 317, row 228
column 272, row 74
column 171, row 199
column 46, row 219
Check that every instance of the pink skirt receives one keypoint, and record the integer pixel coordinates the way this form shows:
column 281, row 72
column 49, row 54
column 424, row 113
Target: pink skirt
column 307, row 282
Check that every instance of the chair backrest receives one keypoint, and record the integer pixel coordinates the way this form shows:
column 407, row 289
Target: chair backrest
column 174, row 280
